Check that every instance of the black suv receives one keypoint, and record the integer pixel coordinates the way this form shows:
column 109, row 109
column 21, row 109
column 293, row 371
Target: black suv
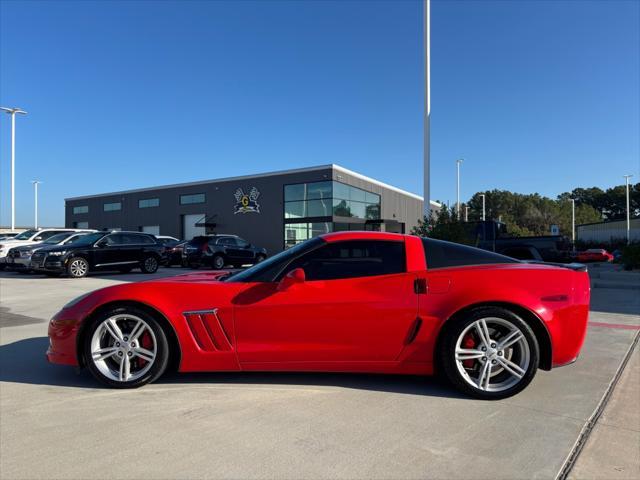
column 121, row 251
column 216, row 251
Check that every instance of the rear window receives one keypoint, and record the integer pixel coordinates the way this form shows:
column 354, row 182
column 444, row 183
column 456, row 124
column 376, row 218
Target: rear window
column 441, row 254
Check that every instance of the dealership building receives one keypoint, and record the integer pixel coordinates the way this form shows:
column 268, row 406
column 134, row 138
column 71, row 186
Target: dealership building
column 274, row 210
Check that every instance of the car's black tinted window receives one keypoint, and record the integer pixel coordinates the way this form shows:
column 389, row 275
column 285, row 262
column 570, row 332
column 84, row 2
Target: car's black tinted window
column 228, row 241
column 441, row 254
column 352, row 259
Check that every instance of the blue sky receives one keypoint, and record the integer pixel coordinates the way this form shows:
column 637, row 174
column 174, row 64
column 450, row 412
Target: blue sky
column 537, row 96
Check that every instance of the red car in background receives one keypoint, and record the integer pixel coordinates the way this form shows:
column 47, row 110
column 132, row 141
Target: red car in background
column 342, row 302
column 594, row 255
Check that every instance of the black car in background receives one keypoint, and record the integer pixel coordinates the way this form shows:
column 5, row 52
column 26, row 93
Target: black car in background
column 216, row 251
column 173, row 252
column 121, row 251
column 19, row 258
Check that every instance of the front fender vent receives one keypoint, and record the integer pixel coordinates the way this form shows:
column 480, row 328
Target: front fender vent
column 207, row 330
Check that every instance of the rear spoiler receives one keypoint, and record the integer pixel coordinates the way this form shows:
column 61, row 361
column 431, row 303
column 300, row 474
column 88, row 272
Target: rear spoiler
column 576, row 267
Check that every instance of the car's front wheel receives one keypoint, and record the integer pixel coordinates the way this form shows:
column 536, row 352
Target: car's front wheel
column 77, row 267
column 125, row 348
column 490, row 353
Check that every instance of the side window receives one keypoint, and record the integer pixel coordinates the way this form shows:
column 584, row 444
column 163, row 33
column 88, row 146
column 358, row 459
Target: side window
column 441, row 254
column 241, row 243
column 227, row 241
column 352, row 259
column 114, row 239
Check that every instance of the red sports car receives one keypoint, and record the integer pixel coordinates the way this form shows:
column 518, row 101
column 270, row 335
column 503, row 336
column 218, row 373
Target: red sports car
column 341, row 302
column 594, row 255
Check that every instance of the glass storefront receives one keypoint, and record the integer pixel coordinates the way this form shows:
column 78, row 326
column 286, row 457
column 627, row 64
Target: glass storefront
column 320, row 202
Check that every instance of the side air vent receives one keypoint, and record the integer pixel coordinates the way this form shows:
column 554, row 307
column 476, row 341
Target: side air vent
column 208, row 331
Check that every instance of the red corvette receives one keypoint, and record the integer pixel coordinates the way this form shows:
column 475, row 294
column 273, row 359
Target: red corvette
column 594, row 255
column 342, row 302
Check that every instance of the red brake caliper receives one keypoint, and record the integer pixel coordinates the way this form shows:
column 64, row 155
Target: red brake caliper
column 146, row 343
column 468, row 342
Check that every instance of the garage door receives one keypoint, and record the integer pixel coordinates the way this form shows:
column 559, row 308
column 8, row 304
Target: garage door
column 189, row 226
column 152, row 229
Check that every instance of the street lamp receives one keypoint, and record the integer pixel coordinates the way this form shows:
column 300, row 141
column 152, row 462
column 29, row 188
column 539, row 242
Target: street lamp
column 458, row 162
column 483, row 207
column 626, row 178
column 573, row 222
column 12, row 112
column 35, row 190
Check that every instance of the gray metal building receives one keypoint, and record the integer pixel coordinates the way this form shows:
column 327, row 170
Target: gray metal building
column 275, row 210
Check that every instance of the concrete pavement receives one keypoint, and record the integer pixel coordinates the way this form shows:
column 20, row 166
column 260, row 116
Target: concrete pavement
column 56, row 424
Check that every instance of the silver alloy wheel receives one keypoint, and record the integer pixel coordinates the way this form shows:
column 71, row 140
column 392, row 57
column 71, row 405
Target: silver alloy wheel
column 116, row 350
column 499, row 359
column 218, row 262
column 78, row 267
column 150, row 264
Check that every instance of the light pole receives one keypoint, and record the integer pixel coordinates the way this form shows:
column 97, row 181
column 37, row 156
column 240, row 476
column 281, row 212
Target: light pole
column 466, row 213
column 626, row 178
column 35, row 191
column 427, row 106
column 483, row 208
column 458, row 162
column 12, row 112
column 573, row 222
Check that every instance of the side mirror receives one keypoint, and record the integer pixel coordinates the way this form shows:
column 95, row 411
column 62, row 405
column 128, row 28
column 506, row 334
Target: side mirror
column 101, row 244
column 37, row 239
column 293, row 277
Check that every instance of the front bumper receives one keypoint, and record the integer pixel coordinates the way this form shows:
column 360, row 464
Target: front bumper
column 62, row 340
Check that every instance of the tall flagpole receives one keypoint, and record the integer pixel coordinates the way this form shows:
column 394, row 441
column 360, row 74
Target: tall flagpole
column 427, row 105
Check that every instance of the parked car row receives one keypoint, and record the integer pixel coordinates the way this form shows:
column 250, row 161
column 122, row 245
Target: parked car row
column 75, row 253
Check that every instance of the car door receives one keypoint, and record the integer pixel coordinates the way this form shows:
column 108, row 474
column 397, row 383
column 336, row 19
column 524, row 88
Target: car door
column 105, row 251
column 244, row 251
column 357, row 304
column 231, row 248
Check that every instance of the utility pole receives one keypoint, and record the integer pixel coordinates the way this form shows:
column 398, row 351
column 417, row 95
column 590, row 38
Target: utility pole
column 466, row 213
column 12, row 112
column 426, row 5
column 458, row 162
column 573, row 222
column 483, row 206
column 35, row 190
column 627, row 177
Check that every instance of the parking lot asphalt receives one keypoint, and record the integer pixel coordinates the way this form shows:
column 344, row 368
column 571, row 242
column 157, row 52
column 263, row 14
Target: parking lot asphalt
column 55, row 423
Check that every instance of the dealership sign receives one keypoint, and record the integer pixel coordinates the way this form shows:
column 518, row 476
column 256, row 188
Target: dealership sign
column 247, row 203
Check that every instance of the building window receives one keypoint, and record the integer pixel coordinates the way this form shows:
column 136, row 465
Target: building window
column 295, row 233
column 148, row 202
column 192, row 198
column 326, row 199
column 81, row 209
column 80, row 224
column 112, row 207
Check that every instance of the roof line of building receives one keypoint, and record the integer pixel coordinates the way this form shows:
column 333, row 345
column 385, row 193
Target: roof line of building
column 246, row 177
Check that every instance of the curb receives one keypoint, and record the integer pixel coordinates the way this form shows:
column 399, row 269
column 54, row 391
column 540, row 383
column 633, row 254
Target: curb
column 588, row 427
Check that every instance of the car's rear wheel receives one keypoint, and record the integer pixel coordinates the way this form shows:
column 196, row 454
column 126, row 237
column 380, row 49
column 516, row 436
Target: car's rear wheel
column 77, row 267
column 125, row 348
column 490, row 353
column 217, row 262
column 149, row 264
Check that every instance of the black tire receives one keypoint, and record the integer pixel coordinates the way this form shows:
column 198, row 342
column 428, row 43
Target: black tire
column 450, row 368
column 150, row 264
column 217, row 262
column 125, row 269
column 160, row 362
column 77, row 267
column 260, row 258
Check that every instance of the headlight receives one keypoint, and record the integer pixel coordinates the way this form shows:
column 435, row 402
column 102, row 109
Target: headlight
column 76, row 300
column 57, row 254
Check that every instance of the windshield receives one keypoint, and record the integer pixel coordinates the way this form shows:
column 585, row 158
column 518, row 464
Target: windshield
column 25, row 235
column 89, row 239
column 261, row 272
column 57, row 238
